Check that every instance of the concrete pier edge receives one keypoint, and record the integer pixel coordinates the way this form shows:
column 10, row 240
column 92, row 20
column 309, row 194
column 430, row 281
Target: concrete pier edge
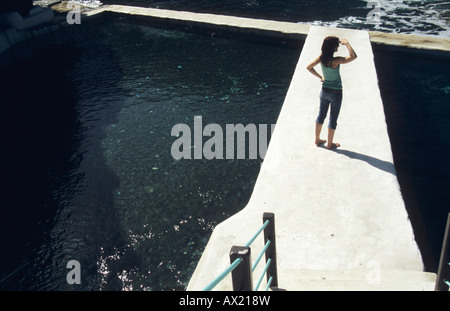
column 267, row 27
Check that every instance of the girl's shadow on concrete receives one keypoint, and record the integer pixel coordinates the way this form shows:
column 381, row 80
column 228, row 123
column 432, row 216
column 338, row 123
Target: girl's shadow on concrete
column 377, row 163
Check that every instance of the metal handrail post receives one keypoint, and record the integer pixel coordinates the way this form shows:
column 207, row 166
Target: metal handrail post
column 242, row 275
column 444, row 262
column 269, row 235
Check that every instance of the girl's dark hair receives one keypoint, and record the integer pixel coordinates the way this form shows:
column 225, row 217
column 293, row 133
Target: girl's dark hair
column 328, row 47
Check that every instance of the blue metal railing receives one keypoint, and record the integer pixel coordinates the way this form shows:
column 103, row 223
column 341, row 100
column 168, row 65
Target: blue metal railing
column 219, row 278
column 257, row 233
column 260, row 255
column 262, row 274
column 240, row 256
column 442, row 282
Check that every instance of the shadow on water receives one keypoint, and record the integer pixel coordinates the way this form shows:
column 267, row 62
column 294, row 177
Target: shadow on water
column 52, row 207
column 414, row 89
column 36, row 131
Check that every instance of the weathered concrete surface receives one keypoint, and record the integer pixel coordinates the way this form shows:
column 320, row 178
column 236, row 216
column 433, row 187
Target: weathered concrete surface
column 338, row 212
column 410, row 41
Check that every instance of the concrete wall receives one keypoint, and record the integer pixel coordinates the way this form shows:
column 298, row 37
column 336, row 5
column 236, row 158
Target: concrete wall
column 262, row 27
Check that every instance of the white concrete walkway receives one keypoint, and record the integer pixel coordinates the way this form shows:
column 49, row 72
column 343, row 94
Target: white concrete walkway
column 340, row 218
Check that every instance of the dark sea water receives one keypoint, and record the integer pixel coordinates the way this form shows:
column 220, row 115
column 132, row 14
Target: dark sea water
column 89, row 166
column 86, row 134
column 415, row 89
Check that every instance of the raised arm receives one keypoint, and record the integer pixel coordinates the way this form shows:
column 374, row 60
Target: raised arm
column 352, row 55
column 311, row 69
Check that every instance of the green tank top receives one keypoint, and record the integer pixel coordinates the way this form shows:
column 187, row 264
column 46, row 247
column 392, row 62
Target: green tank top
column 332, row 77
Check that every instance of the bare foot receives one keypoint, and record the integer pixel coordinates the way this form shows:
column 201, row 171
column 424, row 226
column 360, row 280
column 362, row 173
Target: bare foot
column 320, row 142
column 333, row 145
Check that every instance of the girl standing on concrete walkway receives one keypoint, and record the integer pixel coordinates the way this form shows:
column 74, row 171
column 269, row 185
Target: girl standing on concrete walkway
column 331, row 94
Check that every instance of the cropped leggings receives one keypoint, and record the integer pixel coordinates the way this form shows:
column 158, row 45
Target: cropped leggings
column 329, row 98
